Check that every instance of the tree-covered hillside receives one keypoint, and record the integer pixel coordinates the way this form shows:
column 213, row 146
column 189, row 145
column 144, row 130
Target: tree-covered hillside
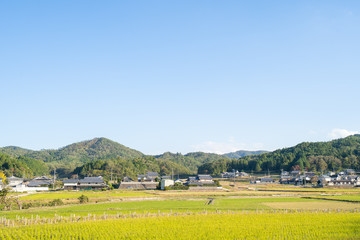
column 242, row 153
column 319, row 156
column 15, row 151
column 191, row 160
column 121, row 167
column 22, row 166
column 79, row 153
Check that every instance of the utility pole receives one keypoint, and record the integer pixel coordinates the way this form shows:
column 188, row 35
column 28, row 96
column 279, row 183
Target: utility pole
column 111, row 174
column 172, row 174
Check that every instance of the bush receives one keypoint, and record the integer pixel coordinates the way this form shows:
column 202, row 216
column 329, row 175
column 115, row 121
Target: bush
column 56, row 202
column 83, row 199
column 177, row 186
column 217, row 183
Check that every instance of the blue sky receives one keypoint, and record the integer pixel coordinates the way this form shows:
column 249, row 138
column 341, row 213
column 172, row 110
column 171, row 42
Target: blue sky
column 180, row 76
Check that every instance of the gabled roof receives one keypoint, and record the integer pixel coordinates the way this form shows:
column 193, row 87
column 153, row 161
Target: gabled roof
column 204, row 177
column 42, row 178
column 152, row 174
column 192, row 178
column 37, row 183
column 70, row 180
column 91, row 180
column 13, row 178
column 128, row 179
column 266, row 179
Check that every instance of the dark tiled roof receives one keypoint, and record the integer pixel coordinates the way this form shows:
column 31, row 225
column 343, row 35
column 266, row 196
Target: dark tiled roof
column 266, row 179
column 204, row 177
column 128, row 179
column 70, row 180
column 12, row 178
column 37, row 183
column 42, row 178
column 91, row 180
column 152, row 174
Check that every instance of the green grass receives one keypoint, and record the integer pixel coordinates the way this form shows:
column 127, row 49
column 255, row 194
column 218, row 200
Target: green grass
column 347, row 197
column 314, row 189
column 152, row 206
column 74, row 195
column 297, row 226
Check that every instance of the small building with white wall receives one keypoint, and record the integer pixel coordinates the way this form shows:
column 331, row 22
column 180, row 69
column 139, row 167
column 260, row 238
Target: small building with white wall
column 166, row 183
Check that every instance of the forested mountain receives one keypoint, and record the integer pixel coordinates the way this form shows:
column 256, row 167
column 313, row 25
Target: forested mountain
column 100, row 154
column 22, row 166
column 120, row 167
column 15, row 151
column 242, row 153
column 191, row 160
column 319, row 156
column 78, row 153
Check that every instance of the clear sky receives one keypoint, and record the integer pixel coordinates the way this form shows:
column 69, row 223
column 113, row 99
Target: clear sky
column 180, row 76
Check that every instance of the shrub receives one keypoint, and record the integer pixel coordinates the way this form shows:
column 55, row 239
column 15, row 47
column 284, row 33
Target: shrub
column 56, row 202
column 83, row 199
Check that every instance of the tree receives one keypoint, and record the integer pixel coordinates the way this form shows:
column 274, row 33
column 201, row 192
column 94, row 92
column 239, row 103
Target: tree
column 83, row 199
column 257, row 167
column 6, row 202
column 314, row 180
column 2, row 176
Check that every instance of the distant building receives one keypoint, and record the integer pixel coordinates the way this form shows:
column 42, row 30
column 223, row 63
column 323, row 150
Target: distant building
column 139, row 185
column 127, row 179
column 149, row 177
column 13, row 181
column 165, row 177
column 71, row 184
column 166, row 183
column 267, row 180
column 350, row 172
column 200, row 180
column 32, row 188
column 234, row 174
column 88, row 183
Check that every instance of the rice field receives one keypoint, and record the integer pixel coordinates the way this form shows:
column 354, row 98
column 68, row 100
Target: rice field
column 163, row 205
column 74, row 195
column 186, row 215
column 201, row 226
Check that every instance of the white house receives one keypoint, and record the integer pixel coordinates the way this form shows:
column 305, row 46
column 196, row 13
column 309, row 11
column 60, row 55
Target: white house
column 166, row 183
column 13, row 181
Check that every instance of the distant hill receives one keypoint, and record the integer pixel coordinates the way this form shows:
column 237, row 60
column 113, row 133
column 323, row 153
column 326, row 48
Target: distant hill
column 22, row 166
column 15, row 151
column 191, row 160
column 318, row 156
column 77, row 153
column 120, row 167
column 243, row 153
column 96, row 155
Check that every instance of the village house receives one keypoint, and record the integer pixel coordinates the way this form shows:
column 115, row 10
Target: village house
column 234, row 174
column 145, row 182
column 200, row 180
column 13, row 181
column 71, row 184
column 166, row 183
column 267, row 180
column 149, row 177
column 88, row 183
